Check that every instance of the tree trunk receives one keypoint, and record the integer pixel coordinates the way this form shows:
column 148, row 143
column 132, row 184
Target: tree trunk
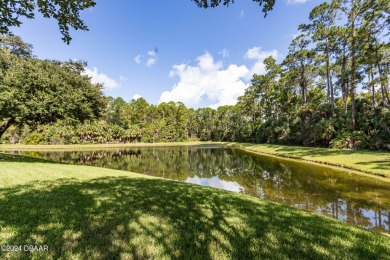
column 353, row 75
column 373, row 89
column 345, row 85
column 329, row 78
column 303, row 84
column 304, row 95
column 353, row 108
column 5, row 124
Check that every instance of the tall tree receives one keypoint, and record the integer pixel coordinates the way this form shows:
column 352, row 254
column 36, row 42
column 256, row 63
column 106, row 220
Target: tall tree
column 113, row 111
column 16, row 46
column 299, row 63
column 36, row 92
column 322, row 30
column 377, row 48
column 354, row 11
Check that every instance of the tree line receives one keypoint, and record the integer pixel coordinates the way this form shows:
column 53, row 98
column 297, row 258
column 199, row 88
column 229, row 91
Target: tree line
column 331, row 90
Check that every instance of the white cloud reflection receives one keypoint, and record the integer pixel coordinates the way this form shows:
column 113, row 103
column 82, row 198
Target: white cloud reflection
column 215, row 182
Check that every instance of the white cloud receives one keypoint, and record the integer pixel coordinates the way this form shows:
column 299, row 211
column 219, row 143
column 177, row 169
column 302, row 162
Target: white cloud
column 259, row 56
column 150, row 62
column 101, row 78
column 242, row 13
column 255, row 53
column 293, row 2
column 152, row 53
column 136, row 96
column 209, row 80
column 150, row 56
column 138, row 59
column 122, row 78
column 224, row 53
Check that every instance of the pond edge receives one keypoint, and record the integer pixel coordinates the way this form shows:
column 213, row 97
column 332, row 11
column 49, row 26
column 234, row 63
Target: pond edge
column 354, row 169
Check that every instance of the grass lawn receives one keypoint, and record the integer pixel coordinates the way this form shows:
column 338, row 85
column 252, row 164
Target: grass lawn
column 84, row 212
column 374, row 162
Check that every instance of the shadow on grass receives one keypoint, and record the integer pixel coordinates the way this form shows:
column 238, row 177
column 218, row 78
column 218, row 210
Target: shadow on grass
column 6, row 157
column 380, row 165
column 301, row 151
column 311, row 151
column 314, row 152
column 152, row 218
column 320, row 152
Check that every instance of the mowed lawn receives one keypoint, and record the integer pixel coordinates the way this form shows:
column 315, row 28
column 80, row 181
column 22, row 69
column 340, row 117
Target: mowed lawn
column 84, row 212
column 374, row 162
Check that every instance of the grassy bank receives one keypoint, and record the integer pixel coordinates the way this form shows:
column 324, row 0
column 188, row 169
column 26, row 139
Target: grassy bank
column 372, row 162
column 10, row 147
column 87, row 212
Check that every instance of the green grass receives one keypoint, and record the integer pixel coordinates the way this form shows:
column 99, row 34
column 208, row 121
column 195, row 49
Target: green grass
column 84, row 212
column 373, row 162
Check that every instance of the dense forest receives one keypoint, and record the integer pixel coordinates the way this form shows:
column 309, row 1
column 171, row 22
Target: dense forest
column 332, row 90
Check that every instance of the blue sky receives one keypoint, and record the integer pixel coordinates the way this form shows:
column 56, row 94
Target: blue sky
column 172, row 50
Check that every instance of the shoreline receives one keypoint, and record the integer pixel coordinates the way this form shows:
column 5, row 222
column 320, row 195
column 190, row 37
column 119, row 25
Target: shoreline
column 262, row 149
column 53, row 147
column 355, row 170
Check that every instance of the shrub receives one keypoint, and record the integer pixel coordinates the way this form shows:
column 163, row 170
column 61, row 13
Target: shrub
column 34, row 138
column 350, row 140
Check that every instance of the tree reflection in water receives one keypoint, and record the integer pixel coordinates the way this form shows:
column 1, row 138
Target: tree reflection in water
column 353, row 198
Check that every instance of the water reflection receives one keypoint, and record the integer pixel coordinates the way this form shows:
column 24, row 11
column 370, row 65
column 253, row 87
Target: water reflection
column 359, row 200
column 216, row 182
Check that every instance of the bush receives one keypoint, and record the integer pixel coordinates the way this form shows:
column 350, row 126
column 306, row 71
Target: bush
column 117, row 133
column 350, row 140
column 323, row 132
column 34, row 138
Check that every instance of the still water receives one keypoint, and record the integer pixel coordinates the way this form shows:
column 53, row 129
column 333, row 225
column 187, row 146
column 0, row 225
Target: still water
column 357, row 199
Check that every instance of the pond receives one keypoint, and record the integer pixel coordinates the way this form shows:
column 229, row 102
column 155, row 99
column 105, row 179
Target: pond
column 358, row 199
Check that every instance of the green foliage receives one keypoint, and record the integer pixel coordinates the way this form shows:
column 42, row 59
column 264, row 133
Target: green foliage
column 34, row 92
column 34, row 138
column 385, row 118
column 350, row 140
column 16, row 46
column 66, row 12
column 323, row 132
column 267, row 4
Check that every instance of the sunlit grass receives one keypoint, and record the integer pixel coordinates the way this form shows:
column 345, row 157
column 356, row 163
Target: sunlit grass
column 374, row 162
column 84, row 212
